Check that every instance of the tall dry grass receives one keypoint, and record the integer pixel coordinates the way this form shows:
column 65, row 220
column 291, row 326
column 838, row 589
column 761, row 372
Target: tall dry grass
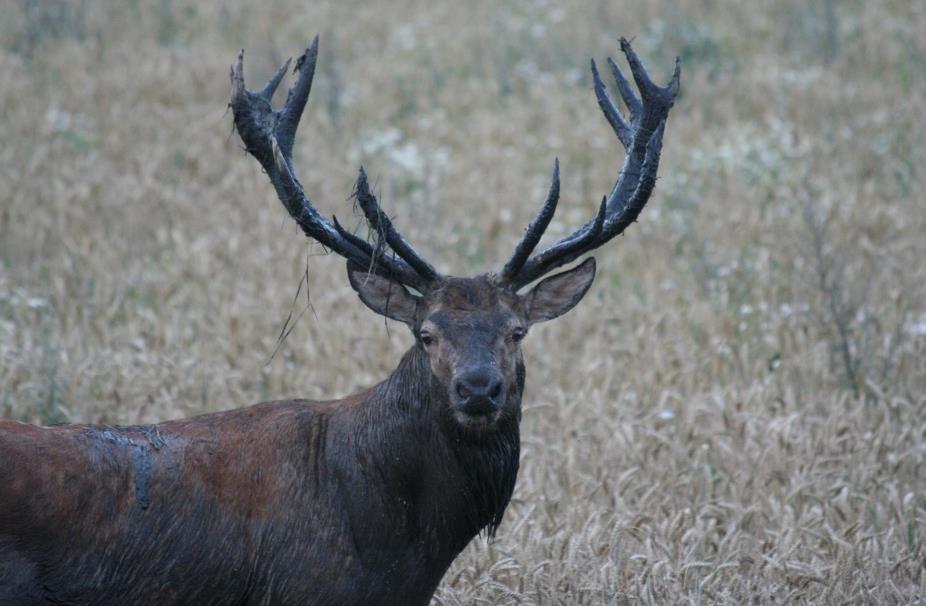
column 736, row 412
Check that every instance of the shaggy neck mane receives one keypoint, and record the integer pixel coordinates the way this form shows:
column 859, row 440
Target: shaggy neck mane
column 457, row 483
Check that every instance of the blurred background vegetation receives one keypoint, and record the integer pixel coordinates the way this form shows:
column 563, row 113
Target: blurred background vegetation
column 735, row 414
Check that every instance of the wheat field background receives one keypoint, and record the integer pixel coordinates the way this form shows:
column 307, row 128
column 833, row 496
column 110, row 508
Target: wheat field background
column 735, row 414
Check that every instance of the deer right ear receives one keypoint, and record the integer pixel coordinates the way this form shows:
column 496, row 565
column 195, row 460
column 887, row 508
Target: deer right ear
column 384, row 296
column 559, row 293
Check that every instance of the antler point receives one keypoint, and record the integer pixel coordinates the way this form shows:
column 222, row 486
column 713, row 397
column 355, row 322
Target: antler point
column 675, row 83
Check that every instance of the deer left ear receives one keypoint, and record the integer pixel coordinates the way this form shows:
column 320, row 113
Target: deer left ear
column 557, row 294
column 382, row 295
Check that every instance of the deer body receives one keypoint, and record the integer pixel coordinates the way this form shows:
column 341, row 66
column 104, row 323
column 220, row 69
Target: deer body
column 365, row 500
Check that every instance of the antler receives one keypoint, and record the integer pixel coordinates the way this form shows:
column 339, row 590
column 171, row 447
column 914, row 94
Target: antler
column 268, row 136
column 641, row 137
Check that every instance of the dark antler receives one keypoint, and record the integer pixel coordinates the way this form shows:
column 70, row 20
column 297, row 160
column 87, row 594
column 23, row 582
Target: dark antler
column 268, row 136
column 641, row 137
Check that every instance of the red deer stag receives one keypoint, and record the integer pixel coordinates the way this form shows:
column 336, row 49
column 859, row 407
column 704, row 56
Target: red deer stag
column 364, row 500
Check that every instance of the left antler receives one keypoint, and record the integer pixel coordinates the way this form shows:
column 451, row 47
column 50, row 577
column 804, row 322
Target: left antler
column 641, row 137
column 268, row 136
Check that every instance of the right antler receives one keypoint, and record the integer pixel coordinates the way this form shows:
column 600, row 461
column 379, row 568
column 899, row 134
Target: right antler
column 641, row 138
column 268, row 136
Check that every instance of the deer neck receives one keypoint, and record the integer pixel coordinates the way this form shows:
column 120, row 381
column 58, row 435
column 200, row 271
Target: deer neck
column 453, row 484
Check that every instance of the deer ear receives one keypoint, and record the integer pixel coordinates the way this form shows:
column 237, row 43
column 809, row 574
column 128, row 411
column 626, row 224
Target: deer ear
column 382, row 295
column 557, row 294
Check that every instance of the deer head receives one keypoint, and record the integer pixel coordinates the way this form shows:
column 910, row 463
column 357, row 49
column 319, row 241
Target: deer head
column 469, row 328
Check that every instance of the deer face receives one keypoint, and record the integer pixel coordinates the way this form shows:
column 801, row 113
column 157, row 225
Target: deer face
column 471, row 331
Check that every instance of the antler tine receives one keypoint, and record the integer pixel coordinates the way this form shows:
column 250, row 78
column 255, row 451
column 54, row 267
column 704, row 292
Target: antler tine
column 615, row 119
column 274, row 82
column 297, row 98
column 268, row 136
column 383, row 226
column 353, row 238
column 535, row 229
column 641, row 136
column 634, row 106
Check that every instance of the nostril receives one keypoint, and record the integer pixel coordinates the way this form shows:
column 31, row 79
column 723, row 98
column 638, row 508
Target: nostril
column 496, row 391
column 462, row 391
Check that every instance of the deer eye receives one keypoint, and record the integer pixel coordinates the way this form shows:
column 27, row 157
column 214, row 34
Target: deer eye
column 426, row 337
column 517, row 334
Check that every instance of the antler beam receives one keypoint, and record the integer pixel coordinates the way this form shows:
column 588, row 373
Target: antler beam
column 268, row 135
column 641, row 136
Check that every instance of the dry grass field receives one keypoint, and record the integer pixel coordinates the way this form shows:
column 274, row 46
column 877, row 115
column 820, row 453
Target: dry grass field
column 736, row 414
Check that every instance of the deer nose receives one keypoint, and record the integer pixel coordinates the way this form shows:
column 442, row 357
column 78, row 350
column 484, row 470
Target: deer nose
column 479, row 391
